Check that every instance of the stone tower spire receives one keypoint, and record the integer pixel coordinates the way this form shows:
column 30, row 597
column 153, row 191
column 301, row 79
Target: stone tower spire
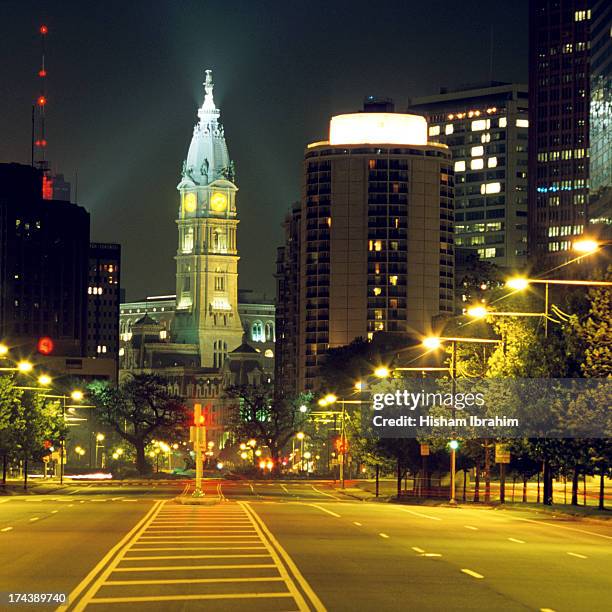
column 207, row 254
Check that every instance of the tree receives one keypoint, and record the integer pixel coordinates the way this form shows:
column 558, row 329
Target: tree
column 138, row 410
column 270, row 420
column 9, row 409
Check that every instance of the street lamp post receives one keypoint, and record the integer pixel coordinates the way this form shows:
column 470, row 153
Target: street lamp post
column 434, row 342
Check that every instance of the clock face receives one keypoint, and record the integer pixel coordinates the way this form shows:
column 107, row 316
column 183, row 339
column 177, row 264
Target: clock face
column 218, row 201
column 190, row 202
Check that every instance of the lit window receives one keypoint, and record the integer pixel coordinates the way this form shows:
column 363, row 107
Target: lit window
column 502, row 122
column 492, row 162
column 269, row 353
column 370, row 335
column 477, row 151
column 393, row 280
column 378, row 314
column 378, row 245
column 377, row 290
column 459, row 166
column 449, row 129
column 486, row 137
column 481, row 124
column 121, row 352
column 434, row 130
column 489, row 188
column 477, row 164
column 522, row 123
column 163, row 334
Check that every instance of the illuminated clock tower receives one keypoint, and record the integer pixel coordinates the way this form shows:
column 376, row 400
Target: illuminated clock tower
column 207, row 256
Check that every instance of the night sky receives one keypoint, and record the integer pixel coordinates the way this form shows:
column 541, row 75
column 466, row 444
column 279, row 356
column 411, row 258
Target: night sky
column 125, row 82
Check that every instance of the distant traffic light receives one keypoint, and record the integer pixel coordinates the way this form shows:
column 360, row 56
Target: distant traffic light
column 45, row 345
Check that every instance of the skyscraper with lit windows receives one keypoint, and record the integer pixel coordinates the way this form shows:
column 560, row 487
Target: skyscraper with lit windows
column 375, row 235
column 559, row 38
column 486, row 128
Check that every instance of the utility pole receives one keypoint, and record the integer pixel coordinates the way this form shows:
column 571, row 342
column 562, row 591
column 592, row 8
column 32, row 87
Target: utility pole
column 198, row 437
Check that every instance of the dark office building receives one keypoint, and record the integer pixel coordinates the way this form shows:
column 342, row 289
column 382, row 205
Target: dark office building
column 558, row 127
column 287, row 307
column 44, row 247
column 103, row 300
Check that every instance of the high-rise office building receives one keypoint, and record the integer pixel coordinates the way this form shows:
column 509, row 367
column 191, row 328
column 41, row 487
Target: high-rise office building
column 287, row 309
column 559, row 127
column 375, row 234
column 601, row 97
column 103, row 300
column 485, row 127
column 44, row 247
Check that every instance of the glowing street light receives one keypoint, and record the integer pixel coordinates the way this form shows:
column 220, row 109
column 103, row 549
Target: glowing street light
column 517, row 283
column 100, row 437
column 243, row 446
column 244, row 455
column 77, row 395
column 477, row 312
column 25, row 366
column 586, row 246
column 382, row 372
column 252, row 442
column 303, row 408
column 300, row 435
column 432, row 342
column 3, row 350
column 44, row 380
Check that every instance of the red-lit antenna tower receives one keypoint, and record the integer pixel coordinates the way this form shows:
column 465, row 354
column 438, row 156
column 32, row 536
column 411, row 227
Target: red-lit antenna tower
column 39, row 136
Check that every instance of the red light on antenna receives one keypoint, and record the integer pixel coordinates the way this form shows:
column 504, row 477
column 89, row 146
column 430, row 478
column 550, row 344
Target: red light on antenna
column 42, row 73
column 37, row 143
column 44, row 29
column 41, row 101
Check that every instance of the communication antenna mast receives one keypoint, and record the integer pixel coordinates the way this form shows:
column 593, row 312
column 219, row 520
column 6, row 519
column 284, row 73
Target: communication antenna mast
column 39, row 136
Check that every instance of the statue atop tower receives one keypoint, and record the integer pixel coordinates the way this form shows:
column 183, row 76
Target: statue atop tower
column 207, row 254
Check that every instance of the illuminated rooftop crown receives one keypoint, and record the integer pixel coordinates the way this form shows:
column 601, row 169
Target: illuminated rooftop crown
column 207, row 158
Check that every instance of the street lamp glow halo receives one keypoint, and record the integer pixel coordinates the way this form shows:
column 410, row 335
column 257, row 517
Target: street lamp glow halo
column 44, row 379
column 25, row 366
column 585, row 246
column 432, row 342
column 382, row 372
column 518, row 283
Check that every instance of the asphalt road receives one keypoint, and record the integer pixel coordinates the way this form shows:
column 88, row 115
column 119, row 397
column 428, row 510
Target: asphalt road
column 294, row 546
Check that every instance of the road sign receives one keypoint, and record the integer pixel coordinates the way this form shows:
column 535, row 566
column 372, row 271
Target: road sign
column 424, row 450
column 502, row 453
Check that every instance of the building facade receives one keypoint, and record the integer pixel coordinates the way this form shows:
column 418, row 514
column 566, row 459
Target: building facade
column 375, row 235
column 44, row 248
column 601, row 98
column 103, row 300
column 559, row 89
column 485, row 128
column 287, row 308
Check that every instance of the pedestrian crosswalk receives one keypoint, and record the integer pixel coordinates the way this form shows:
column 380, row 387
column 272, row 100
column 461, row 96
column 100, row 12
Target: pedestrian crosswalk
column 217, row 557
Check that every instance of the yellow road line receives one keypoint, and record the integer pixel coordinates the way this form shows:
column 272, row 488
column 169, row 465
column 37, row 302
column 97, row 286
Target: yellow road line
column 109, row 555
column 274, row 546
column 160, row 557
column 383, row 535
column 324, row 493
column 6, row 529
column 169, row 568
column 105, row 600
column 193, row 581
column 577, row 555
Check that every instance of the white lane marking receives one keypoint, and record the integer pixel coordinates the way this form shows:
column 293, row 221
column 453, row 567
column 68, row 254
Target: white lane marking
column 472, row 573
column 116, row 498
column 358, row 524
column 599, row 535
column 34, row 518
column 6, row 529
column 417, row 549
column 285, row 489
column 324, row 510
column 383, row 535
column 82, row 502
column 324, row 493
column 431, row 555
column 70, row 505
column 547, row 610
column 54, row 511
column 471, row 527
column 427, row 516
column 3, row 501
column 517, row 541
column 252, row 489
column 129, row 500
column 577, row 555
